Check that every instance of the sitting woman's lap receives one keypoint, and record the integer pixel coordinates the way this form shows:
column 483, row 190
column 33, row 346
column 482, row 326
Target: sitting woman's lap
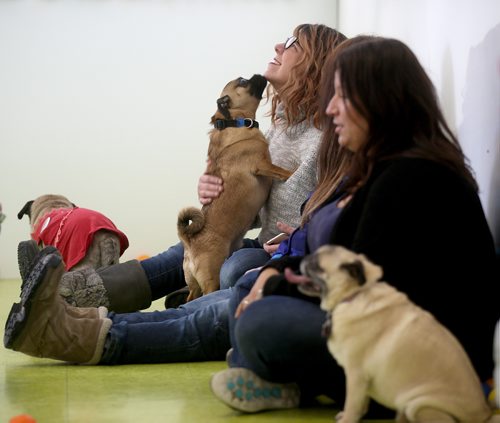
column 292, row 349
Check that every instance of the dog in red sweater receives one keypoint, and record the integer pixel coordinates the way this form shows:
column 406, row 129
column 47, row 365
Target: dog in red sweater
column 85, row 238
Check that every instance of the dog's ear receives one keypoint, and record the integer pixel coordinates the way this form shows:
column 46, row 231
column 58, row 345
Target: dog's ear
column 356, row 270
column 25, row 210
column 223, row 105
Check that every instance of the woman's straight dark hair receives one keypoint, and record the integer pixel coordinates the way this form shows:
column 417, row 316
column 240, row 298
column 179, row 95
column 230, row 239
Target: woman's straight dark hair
column 387, row 85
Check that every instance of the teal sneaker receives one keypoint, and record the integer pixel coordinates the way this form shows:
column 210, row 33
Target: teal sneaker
column 243, row 390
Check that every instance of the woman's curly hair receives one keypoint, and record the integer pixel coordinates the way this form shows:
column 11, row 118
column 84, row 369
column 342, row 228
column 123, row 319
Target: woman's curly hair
column 300, row 94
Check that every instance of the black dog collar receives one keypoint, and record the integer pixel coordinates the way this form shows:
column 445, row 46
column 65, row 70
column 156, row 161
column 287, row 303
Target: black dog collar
column 221, row 124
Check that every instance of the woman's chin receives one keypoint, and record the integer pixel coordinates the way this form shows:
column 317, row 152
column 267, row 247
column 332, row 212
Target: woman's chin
column 346, row 144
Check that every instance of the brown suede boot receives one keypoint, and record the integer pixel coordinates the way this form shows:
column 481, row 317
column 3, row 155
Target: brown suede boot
column 43, row 325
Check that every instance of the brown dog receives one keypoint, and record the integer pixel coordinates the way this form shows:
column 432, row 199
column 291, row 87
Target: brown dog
column 239, row 154
column 85, row 238
column 390, row 349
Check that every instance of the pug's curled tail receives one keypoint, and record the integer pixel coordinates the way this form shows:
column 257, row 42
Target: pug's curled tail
column 189, row 222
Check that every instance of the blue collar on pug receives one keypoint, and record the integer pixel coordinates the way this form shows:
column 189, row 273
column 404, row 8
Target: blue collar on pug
column 221, row 124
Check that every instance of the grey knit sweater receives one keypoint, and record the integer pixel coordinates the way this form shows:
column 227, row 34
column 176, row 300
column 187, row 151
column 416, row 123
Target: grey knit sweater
column 295, row 148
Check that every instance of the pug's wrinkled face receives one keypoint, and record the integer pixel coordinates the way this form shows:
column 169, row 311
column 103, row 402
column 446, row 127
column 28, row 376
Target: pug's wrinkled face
column 241, row 97
column 335, row 273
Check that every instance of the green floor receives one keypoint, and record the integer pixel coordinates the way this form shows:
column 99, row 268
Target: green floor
column 54, row 392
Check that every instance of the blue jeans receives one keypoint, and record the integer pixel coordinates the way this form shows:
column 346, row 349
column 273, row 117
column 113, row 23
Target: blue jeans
column 196, row 331
column 165, row 273
column 242, row 260
column 279, row 338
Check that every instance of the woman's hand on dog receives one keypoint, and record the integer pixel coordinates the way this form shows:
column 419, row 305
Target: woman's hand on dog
column 255, row 293
column 209, row 187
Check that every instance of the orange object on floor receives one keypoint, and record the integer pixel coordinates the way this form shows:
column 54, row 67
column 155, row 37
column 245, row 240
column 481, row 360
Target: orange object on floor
column 22, row 418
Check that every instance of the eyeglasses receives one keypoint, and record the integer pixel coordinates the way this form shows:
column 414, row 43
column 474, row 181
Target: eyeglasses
column 290, row 41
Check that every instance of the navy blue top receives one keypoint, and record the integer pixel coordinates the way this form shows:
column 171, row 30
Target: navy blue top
column 315, row 233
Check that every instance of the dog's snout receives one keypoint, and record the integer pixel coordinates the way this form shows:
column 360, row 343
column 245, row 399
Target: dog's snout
column 310, row 265
column 258, row 84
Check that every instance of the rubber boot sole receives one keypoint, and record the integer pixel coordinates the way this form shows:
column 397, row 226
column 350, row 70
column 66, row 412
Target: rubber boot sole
column 28, row 254
column 19, row 312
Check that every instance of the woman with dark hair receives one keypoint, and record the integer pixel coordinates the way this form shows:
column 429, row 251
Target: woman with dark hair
column 409, row 203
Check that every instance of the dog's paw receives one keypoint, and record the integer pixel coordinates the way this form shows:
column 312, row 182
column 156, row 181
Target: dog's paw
column 342, row 417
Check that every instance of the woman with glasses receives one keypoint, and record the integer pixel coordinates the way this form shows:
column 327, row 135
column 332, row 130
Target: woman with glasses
column 293, row 74
column 44, row 325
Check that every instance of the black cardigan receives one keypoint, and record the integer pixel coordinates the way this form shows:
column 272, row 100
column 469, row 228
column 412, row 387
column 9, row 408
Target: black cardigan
column 426, row 227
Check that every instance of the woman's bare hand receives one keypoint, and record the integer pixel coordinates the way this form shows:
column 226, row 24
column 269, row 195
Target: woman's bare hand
column 209, row 187
column 283, row 227
column 255, row 293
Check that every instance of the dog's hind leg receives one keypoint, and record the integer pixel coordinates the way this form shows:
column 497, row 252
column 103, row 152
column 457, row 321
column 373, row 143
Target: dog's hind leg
column 432, row 415
column 191, row 282
column 109, row 247
column 104, row 251
column 194, row 293
column 202, row 274
column 209, row 275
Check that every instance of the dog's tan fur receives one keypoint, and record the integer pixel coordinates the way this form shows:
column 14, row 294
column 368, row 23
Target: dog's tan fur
column 105, row 247
column 239, row 156
column 391, row 350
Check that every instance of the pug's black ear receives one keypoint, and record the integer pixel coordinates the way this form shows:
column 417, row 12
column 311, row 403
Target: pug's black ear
column 223, row 105
column 356, row 270
column 25, row 210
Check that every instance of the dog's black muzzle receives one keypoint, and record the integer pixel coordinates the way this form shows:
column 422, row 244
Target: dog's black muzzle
column 257, row 86
column 310, row 265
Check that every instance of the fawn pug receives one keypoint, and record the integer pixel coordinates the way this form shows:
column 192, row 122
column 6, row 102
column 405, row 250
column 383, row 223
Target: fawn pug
column 85, row 238
column 390, row 349
column 238, row 153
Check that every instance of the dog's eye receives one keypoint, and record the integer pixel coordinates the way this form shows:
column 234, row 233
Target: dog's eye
column 242, row 82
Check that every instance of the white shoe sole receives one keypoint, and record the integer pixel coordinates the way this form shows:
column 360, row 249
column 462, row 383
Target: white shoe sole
column 243, row 390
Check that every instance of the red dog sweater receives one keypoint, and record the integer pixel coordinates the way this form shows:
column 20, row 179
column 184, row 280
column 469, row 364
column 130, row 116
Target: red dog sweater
column 71, row 231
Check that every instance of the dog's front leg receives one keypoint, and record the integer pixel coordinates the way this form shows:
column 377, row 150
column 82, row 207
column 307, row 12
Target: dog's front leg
column 357, row 400
column 268, row 169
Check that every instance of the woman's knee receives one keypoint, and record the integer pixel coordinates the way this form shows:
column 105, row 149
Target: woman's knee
column 261, row 326
column 239, row 263
column 282, row 323
column 229, row 274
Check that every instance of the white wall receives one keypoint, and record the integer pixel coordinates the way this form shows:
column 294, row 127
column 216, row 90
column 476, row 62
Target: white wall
column 108, row 102
column 458, row 42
